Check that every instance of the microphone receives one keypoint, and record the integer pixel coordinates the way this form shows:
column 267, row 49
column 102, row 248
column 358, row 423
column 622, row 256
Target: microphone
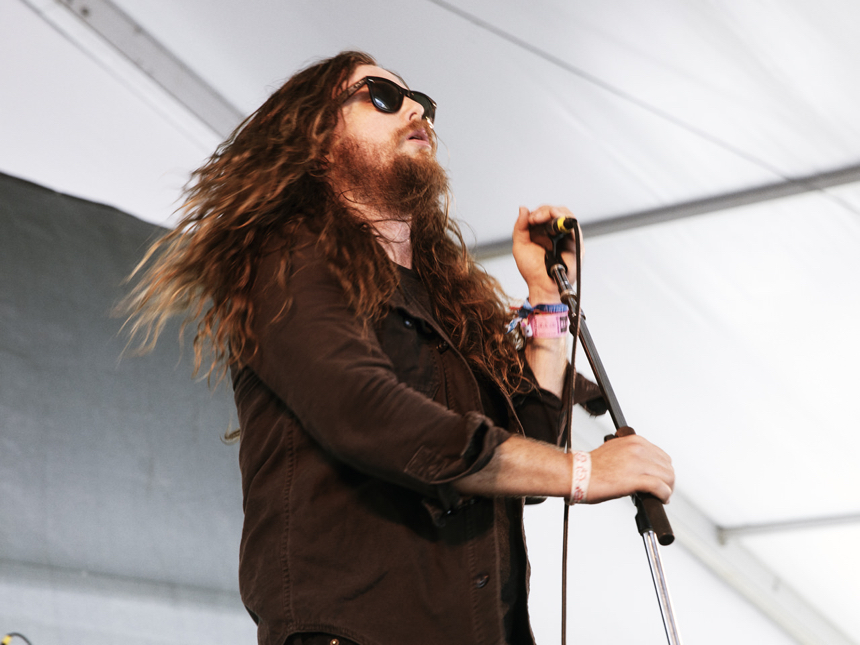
column 559, row 227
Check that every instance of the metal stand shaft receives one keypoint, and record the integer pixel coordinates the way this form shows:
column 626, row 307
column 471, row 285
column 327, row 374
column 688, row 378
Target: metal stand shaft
column 651, row 519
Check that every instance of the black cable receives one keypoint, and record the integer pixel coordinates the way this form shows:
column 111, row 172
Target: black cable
column 568, row 398
column 8, row 638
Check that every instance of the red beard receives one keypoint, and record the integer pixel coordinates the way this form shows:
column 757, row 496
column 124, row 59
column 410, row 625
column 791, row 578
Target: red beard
column 397, row 184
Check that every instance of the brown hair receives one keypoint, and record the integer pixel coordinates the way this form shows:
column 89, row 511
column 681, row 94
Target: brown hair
column 267, row 180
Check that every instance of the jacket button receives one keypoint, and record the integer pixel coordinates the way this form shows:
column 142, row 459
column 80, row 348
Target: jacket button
column 481, row 581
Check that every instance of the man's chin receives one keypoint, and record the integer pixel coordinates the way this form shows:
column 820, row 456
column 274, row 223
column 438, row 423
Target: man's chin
column 409, row 179
column 419, row 168
column 420, row 153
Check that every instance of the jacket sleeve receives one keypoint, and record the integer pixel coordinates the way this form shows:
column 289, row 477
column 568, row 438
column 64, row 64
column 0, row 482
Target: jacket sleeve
column 331, row 374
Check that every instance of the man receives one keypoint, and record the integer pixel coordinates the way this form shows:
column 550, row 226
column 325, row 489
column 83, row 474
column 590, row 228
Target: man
column 382, row 406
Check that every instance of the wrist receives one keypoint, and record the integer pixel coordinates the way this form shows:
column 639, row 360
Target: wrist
column 544, row 296
column 541, row 320
column 580, row 477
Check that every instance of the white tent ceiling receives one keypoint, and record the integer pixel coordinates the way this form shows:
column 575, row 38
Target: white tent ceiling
column 728, row 336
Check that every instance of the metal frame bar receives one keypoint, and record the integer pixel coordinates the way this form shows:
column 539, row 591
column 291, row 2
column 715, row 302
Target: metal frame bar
column 726, row 533
column 743, row 571
column 80, row 20
column 732, row 563
column 618, row 223
column 83, row 22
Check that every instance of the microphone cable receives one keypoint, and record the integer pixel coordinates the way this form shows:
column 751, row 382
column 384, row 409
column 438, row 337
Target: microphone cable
column 8, row 638
column 568, row 395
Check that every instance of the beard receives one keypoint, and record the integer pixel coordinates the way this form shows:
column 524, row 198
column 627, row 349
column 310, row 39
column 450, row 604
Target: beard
column 398, row 186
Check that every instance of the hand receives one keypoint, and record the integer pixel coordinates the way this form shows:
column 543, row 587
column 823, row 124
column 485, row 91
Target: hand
column 529, row 247
column 628, row 465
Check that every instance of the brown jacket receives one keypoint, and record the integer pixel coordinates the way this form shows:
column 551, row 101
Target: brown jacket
column 351, row 442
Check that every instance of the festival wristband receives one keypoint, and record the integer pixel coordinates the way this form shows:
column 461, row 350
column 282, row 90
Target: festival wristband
column 546, row 325
column 580, row 477
column 540, row 321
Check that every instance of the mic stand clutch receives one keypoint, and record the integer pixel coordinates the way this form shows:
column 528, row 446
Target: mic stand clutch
column 651, row 519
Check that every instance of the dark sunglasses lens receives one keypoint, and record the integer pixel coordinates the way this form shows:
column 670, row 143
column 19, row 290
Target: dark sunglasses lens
column 427, row 103
column 386, row 95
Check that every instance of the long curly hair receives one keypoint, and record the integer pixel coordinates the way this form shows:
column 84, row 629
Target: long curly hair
column 266, row 181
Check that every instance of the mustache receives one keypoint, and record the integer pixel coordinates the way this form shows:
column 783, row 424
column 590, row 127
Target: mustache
column 424, row 126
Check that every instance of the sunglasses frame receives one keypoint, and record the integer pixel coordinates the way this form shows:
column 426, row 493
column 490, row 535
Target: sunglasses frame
column 420, row 98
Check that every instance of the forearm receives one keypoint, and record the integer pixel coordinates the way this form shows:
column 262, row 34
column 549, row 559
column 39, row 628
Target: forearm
column 547, row 358
column 521, row 467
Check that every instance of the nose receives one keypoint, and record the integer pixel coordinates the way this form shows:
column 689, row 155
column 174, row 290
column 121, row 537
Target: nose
column 413, row 109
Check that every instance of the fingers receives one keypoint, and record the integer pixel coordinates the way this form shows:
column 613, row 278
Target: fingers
column 528, row 228
column 540, row 215
column 630, row 465
column 530, row 243
column 545, row 213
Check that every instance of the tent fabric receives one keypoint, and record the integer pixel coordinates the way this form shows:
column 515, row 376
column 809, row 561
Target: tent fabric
column 729, row 337
column 124, row 503
column 98, row 446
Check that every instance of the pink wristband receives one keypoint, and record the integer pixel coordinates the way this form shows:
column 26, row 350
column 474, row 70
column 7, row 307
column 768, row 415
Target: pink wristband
column 580, row 477
column 546, row 325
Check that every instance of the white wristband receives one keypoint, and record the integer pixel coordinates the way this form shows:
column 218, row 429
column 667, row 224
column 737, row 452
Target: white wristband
column 579, row 477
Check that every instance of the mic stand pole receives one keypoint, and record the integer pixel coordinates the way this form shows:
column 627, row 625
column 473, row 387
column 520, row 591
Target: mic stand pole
column 651, row 519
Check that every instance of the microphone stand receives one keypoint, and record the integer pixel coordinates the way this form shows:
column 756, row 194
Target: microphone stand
column 651, row 520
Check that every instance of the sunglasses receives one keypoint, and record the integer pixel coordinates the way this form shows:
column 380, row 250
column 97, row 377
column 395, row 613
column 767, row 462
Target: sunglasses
column 387, row 96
